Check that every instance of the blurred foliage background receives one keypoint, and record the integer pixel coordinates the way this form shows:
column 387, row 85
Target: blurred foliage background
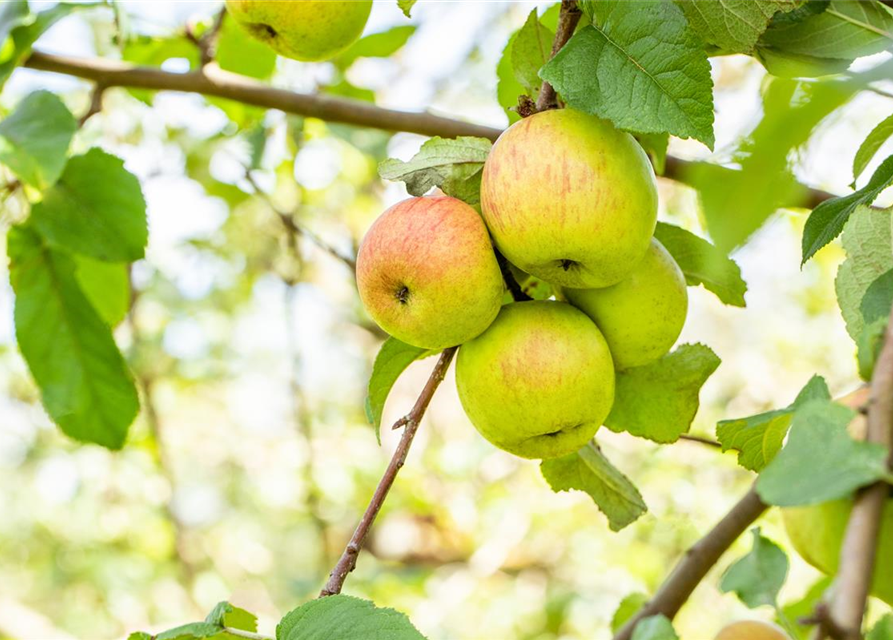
column 252, row 458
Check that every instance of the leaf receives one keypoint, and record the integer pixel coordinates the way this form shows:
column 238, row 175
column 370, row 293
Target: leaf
column 656, row 627
column 406, row 6
column 758, row 577
column 845, row 30
column 866, row 240
column 869, row 147
column 34, row 139
column 820, row 461
column 658, row 401
column 508, row 89
column 732, row 25
column 12, row 14
column 588, row 470
column 882, row 630
column 759, row 438
column 641, row 67
column 804, row 607
column 391, row 361
column 106, row 285
column 868, row 347
column 85, row 385
column 798, row 65
column 627, row 608
column 376, row 45
column 655, row 145
column 531, row 49
column 95, row 209
column 453, row 165
column 226, row 615
column 153, row 51
column 345, row 618
column 240, row 53
column 702, row 263
column 827, row 220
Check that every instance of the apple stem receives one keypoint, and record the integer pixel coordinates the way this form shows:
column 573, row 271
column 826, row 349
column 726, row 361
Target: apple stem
column 511, row 284
column 348, row 560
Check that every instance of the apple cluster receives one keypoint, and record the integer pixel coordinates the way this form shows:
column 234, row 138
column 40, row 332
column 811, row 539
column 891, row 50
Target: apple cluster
column 565, row 197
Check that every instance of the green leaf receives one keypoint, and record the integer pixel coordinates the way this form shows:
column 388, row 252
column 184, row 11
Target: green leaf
column 655, row 145
column 804, row 607
column 868, row 346
column 797, row 65
column 406, row 6
column 627, row 608
column 869, row 147
column 391, row 361
column 106, row 285
column 226, row 615
column 641, row 67
column 878, row 298
column 376, row 45
column 827, row 220
column 820, row 461
column 95, row 209
column 531, row 49
column 508, row 89
column 702, row 263
column 12, row 14
column 240, row 53
column 758, row 577
column 588, row 470
column 658, row 401
column 85, row 385
column 845, row 30
column 882, row 630
column 734, row 26
column 345, row 618
column 347, row 90
column 153, row 51
column 140, row 635
column 454, row 165
column 759, row 438
column 34, row 139
column 866, row 240
column 656, row 627
column 193, row 630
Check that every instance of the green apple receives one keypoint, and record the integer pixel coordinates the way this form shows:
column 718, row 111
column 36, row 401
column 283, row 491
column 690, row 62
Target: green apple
column 569, row 198
column 641, row 316
column 427, row 273
column 752, row 630
column 307, row 30
column 539, row 382
column 817, row 534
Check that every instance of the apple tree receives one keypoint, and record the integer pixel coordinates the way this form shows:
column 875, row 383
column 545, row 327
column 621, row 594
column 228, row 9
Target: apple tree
column 533, row 256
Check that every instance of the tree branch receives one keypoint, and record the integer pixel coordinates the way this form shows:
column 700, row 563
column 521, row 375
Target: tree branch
column 348, row 560
column 213, row 81
column 697, row 561
column 568, row 18
column 859, row 550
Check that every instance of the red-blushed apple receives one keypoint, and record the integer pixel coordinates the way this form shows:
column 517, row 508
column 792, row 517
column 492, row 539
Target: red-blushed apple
column 307, row 30
column 642, row 315
column 817, row 533
column 569, row 198
column 752, row 630
column 427, row 273
column 539, row 382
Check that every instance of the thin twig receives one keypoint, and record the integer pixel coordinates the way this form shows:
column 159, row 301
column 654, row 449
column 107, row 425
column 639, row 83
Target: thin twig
column 240, row 633
column 568, row 18
column 213, row 81
column 859, row 549
column 698, row 560
column 511, row 284
column 701, row 440
column 95, row 104
column 348, row 560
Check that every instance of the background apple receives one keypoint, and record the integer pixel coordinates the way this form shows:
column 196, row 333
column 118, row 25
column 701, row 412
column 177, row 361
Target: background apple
column 304, row 30
column 817, row 534
column 427, row 273
column 539, row 382
column 752, row 630
column 569, row 198
column 641, row 316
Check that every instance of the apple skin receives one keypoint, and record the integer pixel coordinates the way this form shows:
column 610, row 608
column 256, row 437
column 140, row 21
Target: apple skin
column 752, row 630
column 642, row 316
column 569, row 199
column 539, row 382
column 427, row 274
column 307, row 30
column 817, row 533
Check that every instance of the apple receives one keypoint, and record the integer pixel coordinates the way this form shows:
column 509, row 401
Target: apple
column 817, row 533
column 569, row 198
column 752, row 630
column 427, row 273
column 641, row 316
column 305, row 30
column 539, row 382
